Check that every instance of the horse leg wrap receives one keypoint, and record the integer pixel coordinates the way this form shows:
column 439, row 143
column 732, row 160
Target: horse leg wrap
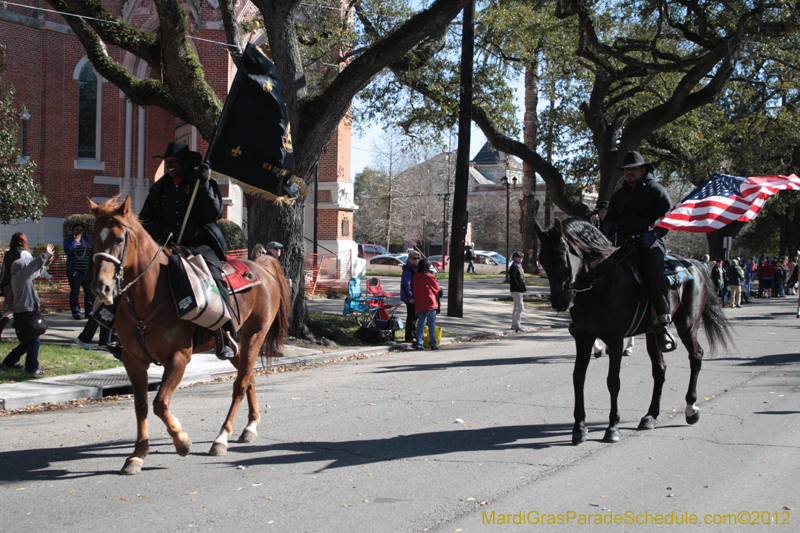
column 220, row 445
column 692, row 414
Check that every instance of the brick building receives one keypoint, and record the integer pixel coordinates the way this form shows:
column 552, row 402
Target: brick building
column 87, row 139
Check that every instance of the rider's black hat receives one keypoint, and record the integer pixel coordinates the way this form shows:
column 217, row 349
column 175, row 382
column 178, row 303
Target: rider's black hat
column 179, row 149
column 635, row 159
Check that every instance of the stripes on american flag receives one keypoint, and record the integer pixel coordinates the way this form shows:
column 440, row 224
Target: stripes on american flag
column 723, row 199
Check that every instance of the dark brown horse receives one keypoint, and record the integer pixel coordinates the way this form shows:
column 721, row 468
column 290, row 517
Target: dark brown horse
column 591, row 278
column 123, row 251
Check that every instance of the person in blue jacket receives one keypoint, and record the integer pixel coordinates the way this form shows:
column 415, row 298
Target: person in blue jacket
column 78, row 249
column 407, row 295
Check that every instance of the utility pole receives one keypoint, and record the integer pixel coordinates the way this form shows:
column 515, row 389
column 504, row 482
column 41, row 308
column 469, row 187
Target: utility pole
column 455, row 296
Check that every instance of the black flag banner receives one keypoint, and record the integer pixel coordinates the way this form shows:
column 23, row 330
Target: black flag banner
column 252, row 144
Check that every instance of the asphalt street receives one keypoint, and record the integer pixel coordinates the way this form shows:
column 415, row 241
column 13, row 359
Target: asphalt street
column 437, row 441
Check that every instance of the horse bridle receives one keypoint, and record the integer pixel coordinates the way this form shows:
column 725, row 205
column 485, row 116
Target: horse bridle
column 119, row 264
column 572, row 251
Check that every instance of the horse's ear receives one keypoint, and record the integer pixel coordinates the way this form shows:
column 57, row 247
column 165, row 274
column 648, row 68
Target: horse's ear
column 558, row 227
column 539, row 231
column 92, row 206
column 126, row 206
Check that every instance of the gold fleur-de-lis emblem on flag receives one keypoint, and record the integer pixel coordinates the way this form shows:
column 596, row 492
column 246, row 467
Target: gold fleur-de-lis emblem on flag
column 267, row 86
column 236, row 152
column 287, row 139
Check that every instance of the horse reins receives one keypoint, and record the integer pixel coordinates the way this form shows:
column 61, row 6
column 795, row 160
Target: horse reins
column 119, row 265
column 573, row 291
column 572, row 251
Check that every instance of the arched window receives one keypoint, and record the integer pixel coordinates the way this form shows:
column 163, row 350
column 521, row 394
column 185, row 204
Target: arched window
column 87, row 113
column 89, row 116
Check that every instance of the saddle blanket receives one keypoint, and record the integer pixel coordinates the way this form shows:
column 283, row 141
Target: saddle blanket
column 677, row 269
column 239, row 275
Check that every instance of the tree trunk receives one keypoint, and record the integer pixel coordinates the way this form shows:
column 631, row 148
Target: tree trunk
column 268, row 222
column 528, row 204
column 455, row 297
column 714, row 239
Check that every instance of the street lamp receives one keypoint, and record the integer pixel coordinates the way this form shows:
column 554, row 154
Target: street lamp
column 507, row 185
column 424, row 219
column 444, row 197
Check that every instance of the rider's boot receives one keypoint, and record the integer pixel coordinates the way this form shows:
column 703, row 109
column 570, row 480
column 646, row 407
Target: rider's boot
column 223, row 346
column 666, row 342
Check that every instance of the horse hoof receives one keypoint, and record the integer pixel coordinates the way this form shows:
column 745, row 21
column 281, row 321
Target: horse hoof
column 647, row 422
column 248, row 436
column 693, row 418
column 218, row 449
column 185, row 448
column 132, row 466
column 579, row 436
column 612, row 435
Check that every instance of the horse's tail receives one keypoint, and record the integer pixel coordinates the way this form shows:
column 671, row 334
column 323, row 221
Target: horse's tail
column 716, row 324
column 276, row 335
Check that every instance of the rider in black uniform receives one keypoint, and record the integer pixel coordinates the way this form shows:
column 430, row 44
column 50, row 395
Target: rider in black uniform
column 633, row 209
column 165, row 208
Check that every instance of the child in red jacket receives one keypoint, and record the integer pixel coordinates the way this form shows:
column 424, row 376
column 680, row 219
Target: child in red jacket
column 425, row 288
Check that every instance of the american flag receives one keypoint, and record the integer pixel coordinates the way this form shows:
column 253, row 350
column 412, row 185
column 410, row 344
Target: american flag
column 723, row 199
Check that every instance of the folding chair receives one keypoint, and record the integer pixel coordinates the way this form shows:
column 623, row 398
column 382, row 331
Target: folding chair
column 374, row 287
column 363, row 310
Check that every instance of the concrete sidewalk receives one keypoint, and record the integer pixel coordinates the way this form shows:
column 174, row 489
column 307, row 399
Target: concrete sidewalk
column 483, row 315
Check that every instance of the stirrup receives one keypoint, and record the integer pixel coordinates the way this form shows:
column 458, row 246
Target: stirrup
column 222, row 346
column 666, row 342
column 115, row 349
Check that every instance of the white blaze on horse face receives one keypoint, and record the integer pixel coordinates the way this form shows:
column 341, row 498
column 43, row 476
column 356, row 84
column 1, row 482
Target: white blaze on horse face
column 691, row 410
column 104, row 234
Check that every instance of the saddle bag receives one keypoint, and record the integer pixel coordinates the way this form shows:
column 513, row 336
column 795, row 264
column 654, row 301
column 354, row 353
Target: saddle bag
column 196, row 294
column 105, row 315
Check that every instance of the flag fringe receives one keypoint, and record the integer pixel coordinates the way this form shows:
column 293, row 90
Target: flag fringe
column 275, row 199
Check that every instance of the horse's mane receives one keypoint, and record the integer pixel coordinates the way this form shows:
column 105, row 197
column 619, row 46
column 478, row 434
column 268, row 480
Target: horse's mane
column 587, row 238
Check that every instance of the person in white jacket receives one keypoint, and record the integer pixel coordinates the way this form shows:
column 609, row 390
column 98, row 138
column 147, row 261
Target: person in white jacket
column 26, row 300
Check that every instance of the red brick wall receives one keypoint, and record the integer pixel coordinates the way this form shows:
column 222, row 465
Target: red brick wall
column 330, row 224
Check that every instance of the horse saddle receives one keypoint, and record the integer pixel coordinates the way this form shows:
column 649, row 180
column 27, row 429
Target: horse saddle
column 239, row 275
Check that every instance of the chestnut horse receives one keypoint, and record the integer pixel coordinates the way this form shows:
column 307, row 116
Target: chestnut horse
column 592, row 279
column 128, row 262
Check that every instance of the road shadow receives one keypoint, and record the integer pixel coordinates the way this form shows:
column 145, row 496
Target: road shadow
column 43, row 464
column 782, row 359
column 477, row 363
column 341, row 454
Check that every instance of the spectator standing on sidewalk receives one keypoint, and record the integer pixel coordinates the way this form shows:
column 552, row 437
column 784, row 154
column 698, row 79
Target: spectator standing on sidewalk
column 469, row 257
column 16, row 247
column 26, row 300
column 425, row 288
column 735, row 278
column 78, row 249
column 516, row 279
column 407, row 295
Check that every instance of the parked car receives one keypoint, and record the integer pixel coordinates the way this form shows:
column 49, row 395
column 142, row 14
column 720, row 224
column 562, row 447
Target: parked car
column 488, row 262
column 387, row 263
column 436, row 260
column 370, row 250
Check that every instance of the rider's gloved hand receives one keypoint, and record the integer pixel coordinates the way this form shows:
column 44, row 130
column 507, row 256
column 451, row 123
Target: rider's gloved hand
column 205, row 173
column 645, row 240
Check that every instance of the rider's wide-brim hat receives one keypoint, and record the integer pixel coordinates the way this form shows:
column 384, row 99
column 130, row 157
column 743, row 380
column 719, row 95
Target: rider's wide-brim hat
column 179, row 149
column 635, row 159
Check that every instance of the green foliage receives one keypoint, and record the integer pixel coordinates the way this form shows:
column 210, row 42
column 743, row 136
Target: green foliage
column 367, row 190
column 55, row 360
column 84, row 219
column 20, row 196
column 233, row 234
